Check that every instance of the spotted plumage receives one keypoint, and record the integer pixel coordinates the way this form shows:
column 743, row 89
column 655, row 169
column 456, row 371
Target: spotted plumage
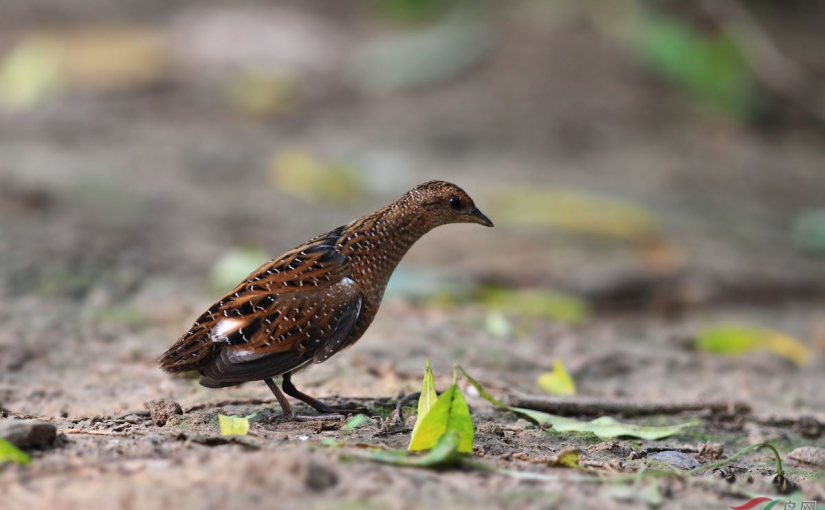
column 314, row 300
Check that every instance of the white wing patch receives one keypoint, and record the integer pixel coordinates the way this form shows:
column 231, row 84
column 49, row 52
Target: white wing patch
column 218, row 333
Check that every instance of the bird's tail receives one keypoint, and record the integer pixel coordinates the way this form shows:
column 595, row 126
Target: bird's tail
column 191, row 352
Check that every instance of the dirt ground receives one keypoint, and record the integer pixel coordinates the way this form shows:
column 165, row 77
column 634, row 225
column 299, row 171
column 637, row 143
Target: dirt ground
column 115, row 208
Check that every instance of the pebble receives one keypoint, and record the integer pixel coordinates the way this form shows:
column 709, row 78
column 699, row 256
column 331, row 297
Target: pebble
column 26, row 434
column 319, row 477
column 163, row 409
column 809, row 455
column 676, row 459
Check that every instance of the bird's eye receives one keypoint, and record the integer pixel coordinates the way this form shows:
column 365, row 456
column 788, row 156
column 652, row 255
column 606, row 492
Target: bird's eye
column 455, row 202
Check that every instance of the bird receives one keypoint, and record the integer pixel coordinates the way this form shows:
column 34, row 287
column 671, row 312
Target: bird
column 313, row 301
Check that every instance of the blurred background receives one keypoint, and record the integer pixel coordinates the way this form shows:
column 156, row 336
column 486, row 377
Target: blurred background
column 654, row 169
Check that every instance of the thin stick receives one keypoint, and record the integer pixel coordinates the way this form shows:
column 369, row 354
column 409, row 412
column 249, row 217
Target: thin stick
column 99, row 433
column 584, row 406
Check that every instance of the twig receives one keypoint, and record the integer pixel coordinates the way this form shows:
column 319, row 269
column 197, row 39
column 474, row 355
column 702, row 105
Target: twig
column 584, row 406
column 100, row 433
column 223, row 403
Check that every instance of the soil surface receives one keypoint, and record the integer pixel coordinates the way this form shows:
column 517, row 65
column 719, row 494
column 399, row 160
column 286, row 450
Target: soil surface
column 115, row 208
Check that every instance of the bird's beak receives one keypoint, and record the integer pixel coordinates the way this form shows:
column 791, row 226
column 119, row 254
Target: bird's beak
column 476, row 216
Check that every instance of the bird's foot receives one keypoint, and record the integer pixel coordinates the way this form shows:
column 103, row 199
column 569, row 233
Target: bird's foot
column 345, row 409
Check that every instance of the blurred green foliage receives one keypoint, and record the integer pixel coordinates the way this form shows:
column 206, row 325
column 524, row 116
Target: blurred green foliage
column 708, row 66
column 411, row 10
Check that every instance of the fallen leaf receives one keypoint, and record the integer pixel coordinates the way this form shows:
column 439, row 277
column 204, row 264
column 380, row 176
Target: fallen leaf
column 262, row 93
column 88, row 59
column 302, row 175
column 446, row 452
column 557, row 382
column 497, row 324
column 449, row 413
column 604, row 427
column 29, row 74
column 428, row 396
column 11, row 454
column 739, row 339
column 569, row 456
column 573, row 211
column 355, row 422
column 535, row 303
column 233, row 425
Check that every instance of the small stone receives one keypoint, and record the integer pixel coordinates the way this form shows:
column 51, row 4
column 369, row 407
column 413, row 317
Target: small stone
column 132, row 418
column 319, row 477
column 26, row 434
column 809, row 455
column 522, row 424
column 711, row 451
column 490, row 427
column 676, row 459
column 809, row 426
column 161, row 410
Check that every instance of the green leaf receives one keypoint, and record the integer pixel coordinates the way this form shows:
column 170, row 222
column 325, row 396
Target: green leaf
column 428, row 396
column 497, row 324
column 570, row 456
column 604, row 427
column 355, row 422
column 302, row 175
column 446, row 452
column 707, row 65
column 12, row 454
column 557, row 382
column 737, row 339
column 233, row 426
column 535, row 303
column 450, row 413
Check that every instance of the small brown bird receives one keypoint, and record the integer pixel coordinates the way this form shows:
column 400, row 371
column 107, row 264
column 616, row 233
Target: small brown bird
column 313, row 301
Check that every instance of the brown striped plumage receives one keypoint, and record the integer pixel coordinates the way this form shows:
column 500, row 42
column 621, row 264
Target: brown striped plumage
column 314, row 300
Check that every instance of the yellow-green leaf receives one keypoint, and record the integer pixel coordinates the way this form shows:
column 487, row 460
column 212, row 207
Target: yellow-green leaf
column 574, row 211
column 11, row 454
column 355, row 422
column 428, row 396
column 260, row 92
column 738, row 339
column 302, row 175
column 233, row 425
column 29, row 74
column 557, row 382
column 604, row 427
column 450, row 413
column 497, row 324
column 569, row 456
column 536, row 303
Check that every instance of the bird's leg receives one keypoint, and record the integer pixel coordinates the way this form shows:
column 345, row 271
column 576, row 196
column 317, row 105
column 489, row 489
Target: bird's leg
column 289, row 413
column 350, row 407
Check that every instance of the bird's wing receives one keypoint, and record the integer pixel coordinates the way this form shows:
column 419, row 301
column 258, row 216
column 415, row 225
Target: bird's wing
column 299, row 308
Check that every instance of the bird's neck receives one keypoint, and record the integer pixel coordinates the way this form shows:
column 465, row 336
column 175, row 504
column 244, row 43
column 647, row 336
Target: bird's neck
column 385, row 236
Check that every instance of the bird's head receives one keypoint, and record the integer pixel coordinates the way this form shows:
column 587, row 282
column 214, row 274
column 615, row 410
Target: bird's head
column 443, row 202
